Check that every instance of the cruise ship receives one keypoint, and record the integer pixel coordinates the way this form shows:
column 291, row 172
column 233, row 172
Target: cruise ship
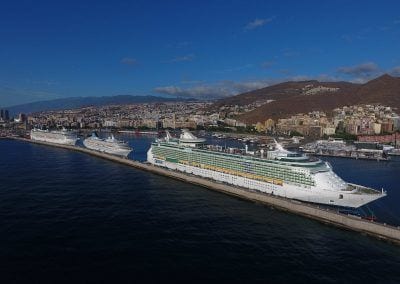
column 56, row 136
column 109, row 145
column 280, row 172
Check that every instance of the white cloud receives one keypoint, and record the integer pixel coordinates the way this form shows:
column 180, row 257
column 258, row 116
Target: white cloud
column 228, row 88
column 234, row 69
column 256, row 23
column 359, row 80
column 200, row 91
column 128, row 61
column 361, row 73
column 357, row 74
column 347, row 38
column 247, row 86
column 267, row 64
column 291, row 53
column 364, row 69
column 395, row 71
column 42, row 82
column 188, row 57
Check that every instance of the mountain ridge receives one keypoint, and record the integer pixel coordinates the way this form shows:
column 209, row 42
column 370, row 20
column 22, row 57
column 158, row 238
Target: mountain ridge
column 290, row 98
column 279, row 91
column 77, row 102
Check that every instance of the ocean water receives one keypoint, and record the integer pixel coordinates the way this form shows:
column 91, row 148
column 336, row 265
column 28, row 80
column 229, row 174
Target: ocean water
column 68, row 217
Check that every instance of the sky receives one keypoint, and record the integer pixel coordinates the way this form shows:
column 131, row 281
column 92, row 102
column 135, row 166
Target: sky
column 198, row 49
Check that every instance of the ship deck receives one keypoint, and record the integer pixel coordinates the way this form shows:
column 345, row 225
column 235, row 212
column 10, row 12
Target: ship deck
column 362, row 189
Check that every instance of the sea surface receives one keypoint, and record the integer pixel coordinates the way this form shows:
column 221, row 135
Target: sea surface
column 68, row 217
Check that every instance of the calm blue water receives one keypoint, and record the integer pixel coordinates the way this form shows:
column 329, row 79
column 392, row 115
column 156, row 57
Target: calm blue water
column 69, row 217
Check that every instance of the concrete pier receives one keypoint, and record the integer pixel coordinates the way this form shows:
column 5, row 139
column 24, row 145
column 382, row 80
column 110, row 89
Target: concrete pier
column 349, row 222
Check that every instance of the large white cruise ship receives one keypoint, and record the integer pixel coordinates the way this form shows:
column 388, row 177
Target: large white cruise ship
column 56, row 136
column 281, row 172
column 109, row 145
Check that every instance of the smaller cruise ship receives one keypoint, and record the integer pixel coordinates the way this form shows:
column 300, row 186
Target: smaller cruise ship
column 109, row 145
column 64, row 136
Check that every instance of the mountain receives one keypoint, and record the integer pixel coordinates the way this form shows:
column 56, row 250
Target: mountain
column 279, row 91
column 384, row 90
column 77, row 102
column 291, row 98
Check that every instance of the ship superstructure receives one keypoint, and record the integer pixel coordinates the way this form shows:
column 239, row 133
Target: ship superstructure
column 280, row 172
column 108, row 145
column 56, row 136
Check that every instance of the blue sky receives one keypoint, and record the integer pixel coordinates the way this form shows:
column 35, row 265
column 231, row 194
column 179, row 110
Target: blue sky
column 202, row 49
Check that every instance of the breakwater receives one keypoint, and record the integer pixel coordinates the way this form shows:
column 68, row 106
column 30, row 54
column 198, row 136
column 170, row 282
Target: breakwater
column 332, row 217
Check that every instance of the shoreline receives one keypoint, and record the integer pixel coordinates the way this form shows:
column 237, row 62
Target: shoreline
column 349, row 222
column 349, row 157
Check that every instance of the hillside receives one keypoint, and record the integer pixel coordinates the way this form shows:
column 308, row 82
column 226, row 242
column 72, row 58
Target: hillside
column 280, row 91
column 77, row 102
column 384, row 90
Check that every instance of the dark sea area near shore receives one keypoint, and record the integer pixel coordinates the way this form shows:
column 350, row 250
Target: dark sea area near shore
column 68, row 217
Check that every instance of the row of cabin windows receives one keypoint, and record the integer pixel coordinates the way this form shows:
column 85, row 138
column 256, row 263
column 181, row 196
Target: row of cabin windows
column 216, row 161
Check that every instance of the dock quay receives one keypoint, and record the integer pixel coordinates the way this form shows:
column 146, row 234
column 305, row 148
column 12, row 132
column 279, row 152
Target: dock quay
column 377, row 230
column 352, row 155
column 339, row 148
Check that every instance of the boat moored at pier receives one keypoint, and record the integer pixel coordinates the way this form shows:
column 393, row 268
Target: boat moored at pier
column 64, row 136
column 109, row 145
column 280, row 172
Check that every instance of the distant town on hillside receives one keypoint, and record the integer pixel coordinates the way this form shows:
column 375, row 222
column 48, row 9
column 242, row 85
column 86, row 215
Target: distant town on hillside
column 367, row 110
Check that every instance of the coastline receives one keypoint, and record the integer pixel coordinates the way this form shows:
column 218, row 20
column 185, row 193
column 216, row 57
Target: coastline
column 350, row 157
column 349, row 222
